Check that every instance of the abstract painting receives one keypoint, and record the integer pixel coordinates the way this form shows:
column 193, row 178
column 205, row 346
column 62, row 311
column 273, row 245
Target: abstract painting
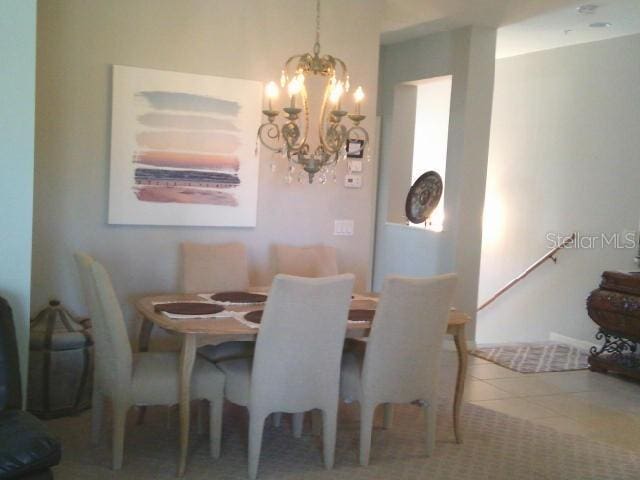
column 183, row 149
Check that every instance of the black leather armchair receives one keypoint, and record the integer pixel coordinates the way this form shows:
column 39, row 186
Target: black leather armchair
column 27, row 450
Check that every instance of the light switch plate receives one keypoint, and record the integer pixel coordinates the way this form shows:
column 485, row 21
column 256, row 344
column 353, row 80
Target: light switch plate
column 353, row 181
column 355, row 166
column 343, row 227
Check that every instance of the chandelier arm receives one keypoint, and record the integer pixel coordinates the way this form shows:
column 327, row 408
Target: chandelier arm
column 336, row 137
column 291, row 59
column 345, row 72
column 305, row 108
column 269, row 136
column 324, row 143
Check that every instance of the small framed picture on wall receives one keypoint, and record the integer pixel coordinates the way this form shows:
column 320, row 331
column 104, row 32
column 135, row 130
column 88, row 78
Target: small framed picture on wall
column 355, row 148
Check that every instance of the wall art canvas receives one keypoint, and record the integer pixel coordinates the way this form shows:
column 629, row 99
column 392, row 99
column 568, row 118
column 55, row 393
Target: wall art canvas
column 183, row 149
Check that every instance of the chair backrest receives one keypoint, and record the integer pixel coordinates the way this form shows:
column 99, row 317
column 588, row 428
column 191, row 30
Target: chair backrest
column 297, row 358
column 114, row 358
column 214, row 268
column 314, row 261
column 10, row 385
column 402, row 357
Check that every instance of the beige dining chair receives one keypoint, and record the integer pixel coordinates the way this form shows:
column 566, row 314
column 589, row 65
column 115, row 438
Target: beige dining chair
column 312, row 261
column 402, row 356
column 216, row 268
column 296, row 366
column 127, row 379
column 309, row 261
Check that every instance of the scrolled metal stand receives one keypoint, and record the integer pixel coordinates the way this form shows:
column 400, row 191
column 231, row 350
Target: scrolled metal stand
column 616, row 353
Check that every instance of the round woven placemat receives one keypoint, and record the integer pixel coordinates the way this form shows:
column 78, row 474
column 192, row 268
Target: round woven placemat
column 239, row 297
column 189, row 308
column 254, row 316
column 355, row 315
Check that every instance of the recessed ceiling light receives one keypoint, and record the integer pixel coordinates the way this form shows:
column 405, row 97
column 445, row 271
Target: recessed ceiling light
column 588, row 9
column 600, row 24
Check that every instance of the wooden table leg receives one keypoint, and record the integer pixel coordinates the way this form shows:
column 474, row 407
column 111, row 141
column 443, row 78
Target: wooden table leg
column 187, row 359
column 143, row 346
column 460, row 339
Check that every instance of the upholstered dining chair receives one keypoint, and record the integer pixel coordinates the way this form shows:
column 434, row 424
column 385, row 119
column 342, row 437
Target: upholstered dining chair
column 127, row 379
column 402, row 356
column 312, row 261
column 216, row 268
column 296, row 366
column 309, row 261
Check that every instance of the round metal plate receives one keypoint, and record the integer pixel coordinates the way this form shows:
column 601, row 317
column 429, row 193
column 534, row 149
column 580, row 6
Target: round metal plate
column 423, row 197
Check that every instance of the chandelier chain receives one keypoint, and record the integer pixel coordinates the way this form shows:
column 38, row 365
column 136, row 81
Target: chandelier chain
column 316, row 46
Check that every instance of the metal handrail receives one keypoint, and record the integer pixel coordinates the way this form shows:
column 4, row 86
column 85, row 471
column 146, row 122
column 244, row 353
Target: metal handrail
column 544, row 258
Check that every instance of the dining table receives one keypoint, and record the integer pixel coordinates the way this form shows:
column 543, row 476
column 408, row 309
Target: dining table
column 196, row 332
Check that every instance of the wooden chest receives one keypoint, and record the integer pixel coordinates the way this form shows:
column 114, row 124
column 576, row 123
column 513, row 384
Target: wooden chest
column 615, row 307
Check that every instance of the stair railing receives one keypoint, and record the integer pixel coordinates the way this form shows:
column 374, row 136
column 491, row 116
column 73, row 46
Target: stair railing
column 550, row 255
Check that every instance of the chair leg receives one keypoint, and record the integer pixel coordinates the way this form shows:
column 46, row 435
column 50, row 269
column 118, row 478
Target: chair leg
column 316, row 421
column 329, row 427
column 119, row 421
column 277, row 419
column 97, row 413
column 298, row 424
column 215, row 426
column 430, row 414
column 367, row 412
column 141, row 413
column 256, row 426
column 202, row 416
column 170, row 410
column 388, row 415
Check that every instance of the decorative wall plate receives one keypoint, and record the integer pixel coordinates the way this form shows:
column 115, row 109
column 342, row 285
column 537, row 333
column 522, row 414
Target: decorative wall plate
column 423, row 197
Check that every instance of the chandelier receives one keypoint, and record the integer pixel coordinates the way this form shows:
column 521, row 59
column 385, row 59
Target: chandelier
column 335, row 140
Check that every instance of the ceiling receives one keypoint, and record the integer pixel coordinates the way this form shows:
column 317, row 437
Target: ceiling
column 523, row 25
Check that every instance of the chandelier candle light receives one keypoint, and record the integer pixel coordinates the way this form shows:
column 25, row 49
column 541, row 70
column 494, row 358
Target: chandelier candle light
column 290, row 139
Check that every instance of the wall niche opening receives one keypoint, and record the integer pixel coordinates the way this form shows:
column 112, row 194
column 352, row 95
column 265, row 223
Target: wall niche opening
column 420, row 132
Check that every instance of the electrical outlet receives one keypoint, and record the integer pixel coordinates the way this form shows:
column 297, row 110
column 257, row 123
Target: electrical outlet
column 343, row 227
column 353, row 181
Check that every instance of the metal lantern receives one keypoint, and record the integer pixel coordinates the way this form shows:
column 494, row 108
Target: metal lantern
column 60, row 363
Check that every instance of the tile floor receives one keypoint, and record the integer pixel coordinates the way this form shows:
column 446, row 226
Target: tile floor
column 603, row 407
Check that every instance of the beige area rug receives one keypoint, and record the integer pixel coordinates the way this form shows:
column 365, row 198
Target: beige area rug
column 534, row 357
column 496, row 447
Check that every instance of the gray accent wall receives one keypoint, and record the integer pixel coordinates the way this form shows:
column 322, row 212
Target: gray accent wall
column 468, row 55
column 79, row 40
column 17, row 84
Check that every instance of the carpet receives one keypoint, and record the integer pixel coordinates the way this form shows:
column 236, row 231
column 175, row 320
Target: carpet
column 496, row 447
column 534, row 357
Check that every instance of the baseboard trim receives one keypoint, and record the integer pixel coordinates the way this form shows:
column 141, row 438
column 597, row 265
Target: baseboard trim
column 574, row 342
column 450, row 345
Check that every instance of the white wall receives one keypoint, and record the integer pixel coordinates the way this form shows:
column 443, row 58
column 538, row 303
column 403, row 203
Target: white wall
column 467, row 54
column 17, row 84
column 77, row 43
column 564, row 156
column 432, row 136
